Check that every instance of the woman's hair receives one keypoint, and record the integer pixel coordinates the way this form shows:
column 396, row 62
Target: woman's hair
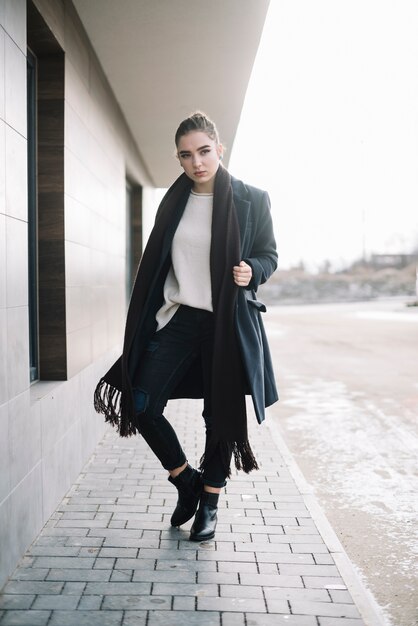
column 197, row 121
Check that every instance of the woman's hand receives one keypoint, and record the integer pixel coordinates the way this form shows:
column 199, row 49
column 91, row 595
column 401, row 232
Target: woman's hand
column 242, row 274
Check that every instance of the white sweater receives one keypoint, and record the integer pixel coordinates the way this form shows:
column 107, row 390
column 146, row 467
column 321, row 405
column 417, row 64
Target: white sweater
column 188, row 280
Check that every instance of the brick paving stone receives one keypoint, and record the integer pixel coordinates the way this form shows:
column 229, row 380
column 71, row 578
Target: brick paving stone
column 78, row 515
column 120, row 542
column 82, row 523
column 219, row 578
column 184, row 603
column 323, row 559
column 284, row 558
column 33, row 587
column 50, row 541
column 236, row 604
column 118, row 588
column 75, row 589
column 126, row 533
column 78, row 508
column 337, row 621
column 340, row 596
column 184, row 618
column 29, row 574
column 63, row 532
column 25, row 618
column 256, row 528
column 244, row 557
column 122, row 575
column 117, row 524
column 166, row 576
column 260, row 619
column 86, row 618
column 92, row 542
column 328, row 609
column 282, row 499
column 302, row 530
column 60, row 603
column 310, row 595
column 136, row 602
column 120, row 510
column 193, row 566
column 237, row 566
column 307, row 548
column 324, row 582
column 76, row 501
column 269, row 580
column 309, row 570
column 78, row 575
column 297, row 539
column 14, row 601
column 63, row 562
column 104, row 563
column 55, row 550
column 185, row 589
column 233, row 619
column 119, row 552
column 90, row 603
column 268, row 568
column 135, row 618
column 238, row 591
column 89, row 551
column 262, row 546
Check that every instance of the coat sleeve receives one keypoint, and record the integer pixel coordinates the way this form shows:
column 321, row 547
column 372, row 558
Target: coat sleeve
column 263, row 254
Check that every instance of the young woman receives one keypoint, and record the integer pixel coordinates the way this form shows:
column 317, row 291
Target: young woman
column 193, row 328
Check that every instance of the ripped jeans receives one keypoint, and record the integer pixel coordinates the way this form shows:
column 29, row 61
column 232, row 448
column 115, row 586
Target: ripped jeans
column 169, row 354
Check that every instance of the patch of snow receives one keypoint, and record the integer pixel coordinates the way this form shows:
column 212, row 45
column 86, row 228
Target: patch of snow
column 370, row 460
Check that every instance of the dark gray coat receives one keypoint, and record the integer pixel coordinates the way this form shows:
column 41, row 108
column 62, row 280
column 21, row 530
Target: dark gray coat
column 258, row 249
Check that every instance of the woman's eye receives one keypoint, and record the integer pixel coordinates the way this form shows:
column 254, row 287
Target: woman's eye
column 205, row 151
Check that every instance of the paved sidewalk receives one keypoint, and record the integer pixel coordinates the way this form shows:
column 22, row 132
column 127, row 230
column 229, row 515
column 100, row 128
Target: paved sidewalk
column 108, row 556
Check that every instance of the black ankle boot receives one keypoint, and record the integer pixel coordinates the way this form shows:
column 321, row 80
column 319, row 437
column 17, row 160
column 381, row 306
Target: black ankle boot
column 204, row 524
column 189, row 486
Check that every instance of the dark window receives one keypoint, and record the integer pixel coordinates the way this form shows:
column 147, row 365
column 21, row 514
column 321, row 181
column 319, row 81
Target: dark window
column 129, row 242
column 133, row 233
column 32, row 218
column 46, row 200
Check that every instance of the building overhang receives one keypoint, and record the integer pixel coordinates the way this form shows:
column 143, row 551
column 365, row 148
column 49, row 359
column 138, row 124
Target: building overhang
column 166, row 58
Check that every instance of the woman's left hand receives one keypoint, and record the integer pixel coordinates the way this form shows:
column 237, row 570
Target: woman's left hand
column 242, row 274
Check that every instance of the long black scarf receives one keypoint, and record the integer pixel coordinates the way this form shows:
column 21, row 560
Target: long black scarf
column 113, row 395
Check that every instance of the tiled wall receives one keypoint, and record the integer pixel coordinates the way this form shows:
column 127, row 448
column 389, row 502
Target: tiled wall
column 48, row 430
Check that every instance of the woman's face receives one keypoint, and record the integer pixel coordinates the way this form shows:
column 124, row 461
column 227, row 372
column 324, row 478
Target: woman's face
column 199, row 156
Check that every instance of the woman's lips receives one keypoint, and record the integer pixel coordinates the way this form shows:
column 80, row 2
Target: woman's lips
column 199, row 173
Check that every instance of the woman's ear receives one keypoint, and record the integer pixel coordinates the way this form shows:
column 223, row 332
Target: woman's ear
column 220, row 150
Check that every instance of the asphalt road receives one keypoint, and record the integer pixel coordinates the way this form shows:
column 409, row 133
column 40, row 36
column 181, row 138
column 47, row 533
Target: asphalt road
column 348, row 382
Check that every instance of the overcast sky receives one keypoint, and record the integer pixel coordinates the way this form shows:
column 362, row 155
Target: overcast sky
column 330, row 127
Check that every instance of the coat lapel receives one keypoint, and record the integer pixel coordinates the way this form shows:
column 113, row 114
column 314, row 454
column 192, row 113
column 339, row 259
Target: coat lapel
column 177, row 213
column 242, row 206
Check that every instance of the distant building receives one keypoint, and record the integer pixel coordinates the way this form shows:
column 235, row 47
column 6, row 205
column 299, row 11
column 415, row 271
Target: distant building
column 392, row 260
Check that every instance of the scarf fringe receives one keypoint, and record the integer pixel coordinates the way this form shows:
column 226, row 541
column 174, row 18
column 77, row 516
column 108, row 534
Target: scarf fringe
column 108, row 400
column 244, row 458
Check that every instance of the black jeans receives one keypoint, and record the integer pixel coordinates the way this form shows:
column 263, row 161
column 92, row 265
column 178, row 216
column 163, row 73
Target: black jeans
column 187, row 336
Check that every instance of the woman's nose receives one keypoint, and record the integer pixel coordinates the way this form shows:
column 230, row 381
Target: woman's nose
column 196, row 159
